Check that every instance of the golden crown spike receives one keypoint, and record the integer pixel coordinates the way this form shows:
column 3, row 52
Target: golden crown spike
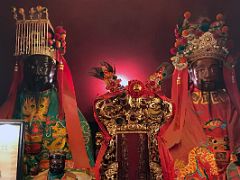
column 32, row 32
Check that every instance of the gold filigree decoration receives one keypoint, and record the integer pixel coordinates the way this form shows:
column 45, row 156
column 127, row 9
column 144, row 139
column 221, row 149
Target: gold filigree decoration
column 109, row 161
column 157, row 171
column 122, row 114
column 111, row 172
column 214, row 97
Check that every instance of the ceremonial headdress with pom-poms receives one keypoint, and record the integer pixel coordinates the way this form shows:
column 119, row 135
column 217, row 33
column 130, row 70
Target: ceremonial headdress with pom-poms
column 203, row 39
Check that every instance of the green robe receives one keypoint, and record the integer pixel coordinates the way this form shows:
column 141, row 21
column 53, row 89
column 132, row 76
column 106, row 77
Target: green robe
column 44, row 131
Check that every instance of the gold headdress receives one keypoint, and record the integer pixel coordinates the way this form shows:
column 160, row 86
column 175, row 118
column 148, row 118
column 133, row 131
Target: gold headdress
column 200, row 40
column 35, row 33
column 32, row 32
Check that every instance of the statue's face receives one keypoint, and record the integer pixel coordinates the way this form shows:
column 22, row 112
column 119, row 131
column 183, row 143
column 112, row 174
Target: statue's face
column 206, row 74
column 57, row 164
column 39, row 71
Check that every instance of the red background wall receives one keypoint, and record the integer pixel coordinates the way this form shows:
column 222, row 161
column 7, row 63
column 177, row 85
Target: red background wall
column 134, row 35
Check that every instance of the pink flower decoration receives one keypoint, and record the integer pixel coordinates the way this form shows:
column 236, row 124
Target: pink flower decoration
column 57, row 36
column 173, row 51
column 60, row 30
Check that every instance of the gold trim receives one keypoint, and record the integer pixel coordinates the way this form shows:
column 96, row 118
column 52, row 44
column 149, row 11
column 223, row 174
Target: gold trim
column 123, row 114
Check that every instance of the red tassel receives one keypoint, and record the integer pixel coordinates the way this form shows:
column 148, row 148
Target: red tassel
column 60, row 86
column 179, row 95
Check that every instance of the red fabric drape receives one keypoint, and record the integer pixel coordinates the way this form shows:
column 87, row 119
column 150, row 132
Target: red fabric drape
column 167, row 162
column 234, row 94
column 106, row 138
column 7, row 109
column 75, row 132
column 179, row 96
column 231, row 85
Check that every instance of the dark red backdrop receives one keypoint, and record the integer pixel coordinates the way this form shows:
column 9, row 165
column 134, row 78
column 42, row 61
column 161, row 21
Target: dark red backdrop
column 134, row 35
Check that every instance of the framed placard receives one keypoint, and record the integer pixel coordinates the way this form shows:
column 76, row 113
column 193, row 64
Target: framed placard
column 11, row 149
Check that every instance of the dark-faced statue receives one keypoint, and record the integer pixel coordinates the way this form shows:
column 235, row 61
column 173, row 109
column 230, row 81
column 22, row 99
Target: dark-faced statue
column 207, row 74
column 39, row 73
column 57, row 163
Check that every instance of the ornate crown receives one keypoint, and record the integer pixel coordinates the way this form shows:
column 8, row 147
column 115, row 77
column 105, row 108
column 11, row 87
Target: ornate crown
column 35, row 34
column 203, row 39
column 134, row 107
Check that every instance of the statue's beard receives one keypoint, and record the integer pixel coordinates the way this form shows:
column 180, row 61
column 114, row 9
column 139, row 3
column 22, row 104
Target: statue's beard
column 39, row 83
column 40, row 80
column 208, row 85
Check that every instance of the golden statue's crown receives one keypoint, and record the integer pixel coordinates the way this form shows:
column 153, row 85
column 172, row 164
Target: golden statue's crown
column 32, row 32
column 204, row 39
column 207, row 46
column 132, row 109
